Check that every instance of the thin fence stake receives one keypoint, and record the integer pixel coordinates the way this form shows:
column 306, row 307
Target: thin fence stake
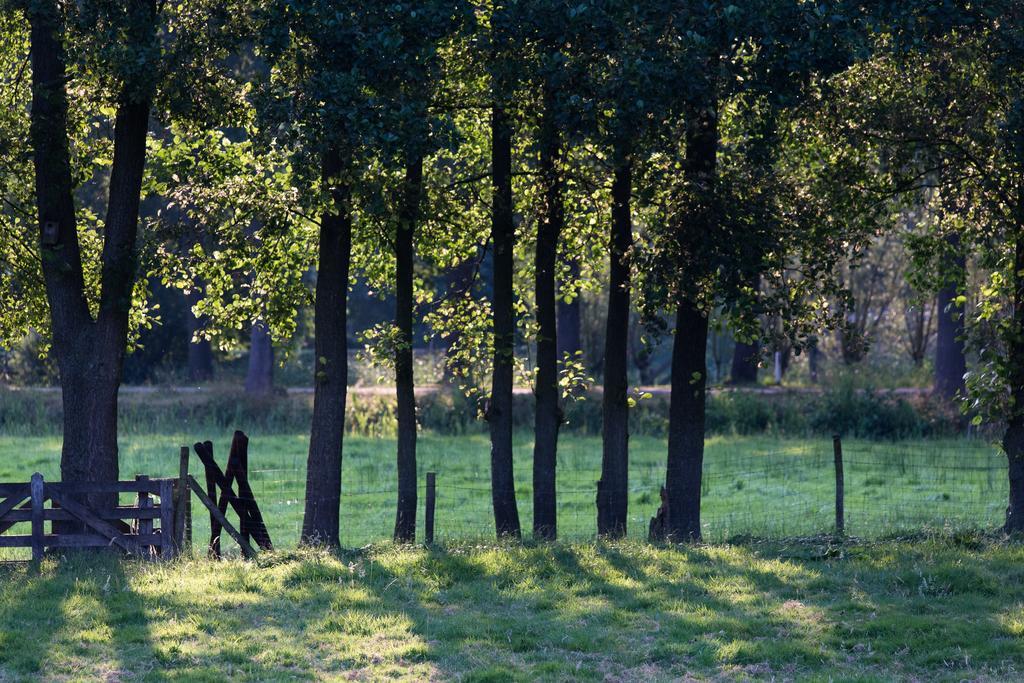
column 837, row 450
column 431, row 502
column 36, row 488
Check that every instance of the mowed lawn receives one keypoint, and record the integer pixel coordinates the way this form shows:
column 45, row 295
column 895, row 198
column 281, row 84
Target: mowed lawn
column 753, row 486
column 935, row 610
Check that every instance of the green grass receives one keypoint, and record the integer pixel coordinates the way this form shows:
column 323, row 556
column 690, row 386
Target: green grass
column 935, row 610
column 753, row 486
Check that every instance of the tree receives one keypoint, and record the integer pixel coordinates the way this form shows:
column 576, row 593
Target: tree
column 93, row 289
column 719, row 220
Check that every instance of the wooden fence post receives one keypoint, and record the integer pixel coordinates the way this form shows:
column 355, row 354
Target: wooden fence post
column 428, row 518
column 837, row 450
column 183, row 505
column 167, row 545
column 36, row 489
column 145, row 502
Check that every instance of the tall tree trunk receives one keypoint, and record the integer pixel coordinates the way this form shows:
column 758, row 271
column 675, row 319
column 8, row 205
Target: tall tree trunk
column 1013, row 439
column 570, row 321
column 320, row 524
column 613, row 487
column 458, row 282
column 259, row 375
column 200, row 351
column 89, row 353
column 950, row 364
column 547, row 411
column 405, row 515
column 686, row 424
column 689, row 348
column 499, row 411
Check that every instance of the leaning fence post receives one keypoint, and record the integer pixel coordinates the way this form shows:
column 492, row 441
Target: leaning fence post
column 431, row 502
column 36, row 490
column 837, row 449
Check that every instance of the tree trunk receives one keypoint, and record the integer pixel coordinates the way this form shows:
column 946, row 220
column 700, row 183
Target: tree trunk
column 950, row 364
column 613, row 487
column 200, row 351
column 686, row 424
column 458, row 282
column 259, row 376
column 320, row 524
column 745, row 359
column 1013, row 439
column 547, row 410
column 569, row 319
column 405, row 515
column 689, row 347
column 499, row 411
column 89, row 353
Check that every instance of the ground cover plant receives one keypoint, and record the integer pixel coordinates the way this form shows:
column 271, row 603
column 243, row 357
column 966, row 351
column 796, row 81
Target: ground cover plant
column 936, row 609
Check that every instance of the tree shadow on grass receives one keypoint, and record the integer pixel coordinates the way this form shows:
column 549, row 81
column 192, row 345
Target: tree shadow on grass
column 73, row 615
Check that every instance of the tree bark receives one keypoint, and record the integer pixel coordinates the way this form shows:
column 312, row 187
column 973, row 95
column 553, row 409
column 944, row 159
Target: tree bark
column 613, row 487
column 405, row 516
column 499, row 411
column 89, row 352
column 1013, row 439
column 259, row 376
column 950, row 364
column 547, row 410
column 320, row 525
column 689, row 348
column 686, row 424
column 745, row 358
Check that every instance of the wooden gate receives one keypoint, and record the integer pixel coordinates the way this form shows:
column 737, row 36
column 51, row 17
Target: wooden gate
column 149, row 528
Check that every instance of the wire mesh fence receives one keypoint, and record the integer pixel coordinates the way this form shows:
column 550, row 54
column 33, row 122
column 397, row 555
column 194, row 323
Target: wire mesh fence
column 760, row 488
column 890, row 488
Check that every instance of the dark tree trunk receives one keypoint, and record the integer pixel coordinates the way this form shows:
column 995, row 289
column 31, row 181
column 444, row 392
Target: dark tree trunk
column 405, row 516
column 548, row 411
column 686, row 424
column 499, row 411
column 814, row 361
column 458, row 282
column 950, row 364
column 200, row 351
column 569, row 319
column 1013, row 439
column 89, row 353
column 745, row 359
column 689, row 348
column 613, row 487
column 259, row 375
column 320, row 524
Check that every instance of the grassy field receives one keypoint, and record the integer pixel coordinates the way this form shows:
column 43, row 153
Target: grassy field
column 753, row 486
column 933, row 610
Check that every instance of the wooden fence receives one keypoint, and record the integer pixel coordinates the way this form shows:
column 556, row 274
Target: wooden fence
column 154, row 526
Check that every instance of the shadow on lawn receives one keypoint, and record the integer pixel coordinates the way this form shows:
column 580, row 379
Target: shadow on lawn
column 72, row 612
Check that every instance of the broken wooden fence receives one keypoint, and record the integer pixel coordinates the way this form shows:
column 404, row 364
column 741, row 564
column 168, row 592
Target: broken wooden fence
column 149, row 528
column 250, row 519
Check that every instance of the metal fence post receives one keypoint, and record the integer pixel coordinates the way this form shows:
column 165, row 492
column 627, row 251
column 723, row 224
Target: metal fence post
column 837, row 449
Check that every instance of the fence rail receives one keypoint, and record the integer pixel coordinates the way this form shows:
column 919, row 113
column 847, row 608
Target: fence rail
column 74, row 524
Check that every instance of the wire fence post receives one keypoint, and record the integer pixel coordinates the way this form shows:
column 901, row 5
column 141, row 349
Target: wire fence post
column 837, row 449
column 431, row 502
